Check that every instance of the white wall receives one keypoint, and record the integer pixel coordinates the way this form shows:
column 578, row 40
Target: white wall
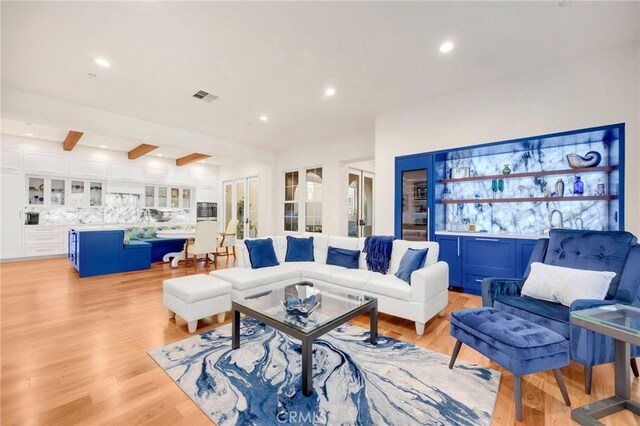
column 597, row 90
column 332, row 155
column 265, row 205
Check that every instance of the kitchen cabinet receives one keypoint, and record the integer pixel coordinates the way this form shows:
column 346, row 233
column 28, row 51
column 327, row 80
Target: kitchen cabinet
column 206, row 195
column 125, row 172
column 524, row 249
column 11, row 211
column 43, row 240
column 81, row 167
column 156, row 174
column 180, row 177
column 45, row 164
column 10, row 161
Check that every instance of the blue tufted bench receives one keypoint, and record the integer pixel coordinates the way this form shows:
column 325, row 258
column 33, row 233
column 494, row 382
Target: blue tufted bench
column 516, row 344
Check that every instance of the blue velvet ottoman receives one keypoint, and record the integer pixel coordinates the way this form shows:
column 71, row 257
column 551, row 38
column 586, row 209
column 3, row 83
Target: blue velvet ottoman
column 518, row 345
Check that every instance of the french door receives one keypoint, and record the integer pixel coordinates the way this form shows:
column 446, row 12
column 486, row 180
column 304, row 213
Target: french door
column 241, row 198
column 360, row 203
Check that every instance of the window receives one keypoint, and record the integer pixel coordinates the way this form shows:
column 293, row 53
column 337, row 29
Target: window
column 313, row 201
column 291, row 201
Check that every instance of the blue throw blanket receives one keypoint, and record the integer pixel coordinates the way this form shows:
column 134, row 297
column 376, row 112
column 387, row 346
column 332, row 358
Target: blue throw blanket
column 378, row 249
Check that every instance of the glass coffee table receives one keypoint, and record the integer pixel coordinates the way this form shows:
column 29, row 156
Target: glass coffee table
column 621, row 322
column 335, row 308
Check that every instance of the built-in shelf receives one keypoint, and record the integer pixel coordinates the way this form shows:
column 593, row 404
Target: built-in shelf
column 533, row 174
column 531, row 199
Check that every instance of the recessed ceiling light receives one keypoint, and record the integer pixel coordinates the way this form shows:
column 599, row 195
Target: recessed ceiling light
column 445, row 47
column 159, row 155
column 103, row 146
column 103, row 62
column 92, row 75
column 28, row 124
column 264, row 118
column 329, row 92
column 28, row 134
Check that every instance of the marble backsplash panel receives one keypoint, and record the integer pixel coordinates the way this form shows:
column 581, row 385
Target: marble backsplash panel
column 527, row 217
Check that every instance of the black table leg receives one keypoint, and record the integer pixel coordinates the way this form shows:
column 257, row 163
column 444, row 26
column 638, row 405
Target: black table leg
column 307, row 367
column 235, row 329
column 374, row 324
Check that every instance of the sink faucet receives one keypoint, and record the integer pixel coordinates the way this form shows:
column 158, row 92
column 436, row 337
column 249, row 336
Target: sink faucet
column 581, row 226
column 553, row 212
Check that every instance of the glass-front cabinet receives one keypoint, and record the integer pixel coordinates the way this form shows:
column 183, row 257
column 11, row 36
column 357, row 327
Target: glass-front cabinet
column 149, row 196
column 63, row 192
column 168, row 197
column 175, row 197
column 186, row 198
column 162, row 196
column 36, row 189
column 413, row 221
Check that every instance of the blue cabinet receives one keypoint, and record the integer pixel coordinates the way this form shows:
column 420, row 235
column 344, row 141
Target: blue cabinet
column 524, row 248
column 450, row 252
column 472, row 259
column 484, row 257
column 103, row 252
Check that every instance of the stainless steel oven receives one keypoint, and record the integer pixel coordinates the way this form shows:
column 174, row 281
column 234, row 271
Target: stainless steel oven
column 207, row 211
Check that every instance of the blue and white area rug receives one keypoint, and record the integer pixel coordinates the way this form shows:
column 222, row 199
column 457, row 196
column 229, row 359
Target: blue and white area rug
column 354, row 382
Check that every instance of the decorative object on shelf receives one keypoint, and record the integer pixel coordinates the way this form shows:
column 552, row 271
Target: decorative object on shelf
column 600, row 189
column 506, row 170
column 591, row 159
column 546, row 192
column 494, row 187
column 560, row 188
column 460, row 172
column 501, row 186
column 301, row 307
column 420, row 191
column 579, row 223
column 578, row 186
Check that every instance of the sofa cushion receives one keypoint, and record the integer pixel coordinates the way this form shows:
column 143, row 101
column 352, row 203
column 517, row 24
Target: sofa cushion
column 401, row 246
column 320, row 245
column 564, row 285
column 299, row 249
column 412, row 260
column 343, row 257
column 262, row 254
column 388, row 285
column 247, row 278
column 591, row 250
column 354, row 278
column 548, row 314
column 322, row 272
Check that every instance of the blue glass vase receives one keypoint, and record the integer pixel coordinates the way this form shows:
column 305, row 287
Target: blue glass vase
column 578, row 186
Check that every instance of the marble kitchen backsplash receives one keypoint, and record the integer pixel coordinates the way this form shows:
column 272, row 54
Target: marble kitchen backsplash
column 119, row 209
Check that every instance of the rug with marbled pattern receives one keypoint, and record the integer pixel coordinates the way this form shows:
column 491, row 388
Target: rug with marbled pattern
column 354, row 382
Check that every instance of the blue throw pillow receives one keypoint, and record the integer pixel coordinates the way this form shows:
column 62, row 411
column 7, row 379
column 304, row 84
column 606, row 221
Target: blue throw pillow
column 299, row 249
column 412, row 260
column 343, row 257
column 261, row 253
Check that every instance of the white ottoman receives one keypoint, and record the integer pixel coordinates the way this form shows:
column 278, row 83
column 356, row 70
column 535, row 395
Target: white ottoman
column 196, row 296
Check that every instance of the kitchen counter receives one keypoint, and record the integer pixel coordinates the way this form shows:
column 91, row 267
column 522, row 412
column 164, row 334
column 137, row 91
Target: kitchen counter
column 490, row 235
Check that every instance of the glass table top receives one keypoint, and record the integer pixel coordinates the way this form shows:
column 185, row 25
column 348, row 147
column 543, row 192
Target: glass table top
column 615, row 318
column 333, row 304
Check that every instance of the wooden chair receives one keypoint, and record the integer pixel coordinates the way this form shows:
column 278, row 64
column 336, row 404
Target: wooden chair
column 228, row 239
column 205, row 242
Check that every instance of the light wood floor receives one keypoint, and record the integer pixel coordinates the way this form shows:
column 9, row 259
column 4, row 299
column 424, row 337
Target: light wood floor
column 75, row 352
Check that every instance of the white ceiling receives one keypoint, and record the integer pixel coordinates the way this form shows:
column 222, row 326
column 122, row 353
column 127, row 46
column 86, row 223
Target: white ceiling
column 276, row 58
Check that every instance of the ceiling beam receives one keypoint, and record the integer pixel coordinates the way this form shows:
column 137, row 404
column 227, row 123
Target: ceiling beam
column 72, row 139
column 141, row 150
column 191, row 158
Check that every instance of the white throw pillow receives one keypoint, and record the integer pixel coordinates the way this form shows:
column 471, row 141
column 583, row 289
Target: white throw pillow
column 564, row 285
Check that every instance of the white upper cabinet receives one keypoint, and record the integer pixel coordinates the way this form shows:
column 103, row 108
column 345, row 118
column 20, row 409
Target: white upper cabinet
column 45, row 164
column 206, row 195
column 87, row 168
column 10, row 161
column 125, row 172
column 157, row 174
column 205, row 181
column 181, row 177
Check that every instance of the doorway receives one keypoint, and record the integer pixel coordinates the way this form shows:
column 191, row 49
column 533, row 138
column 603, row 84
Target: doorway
column 360, row 203
column 241, row 198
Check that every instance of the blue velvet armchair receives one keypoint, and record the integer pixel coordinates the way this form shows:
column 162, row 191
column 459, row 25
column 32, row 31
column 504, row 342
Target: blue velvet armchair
column 616, row 251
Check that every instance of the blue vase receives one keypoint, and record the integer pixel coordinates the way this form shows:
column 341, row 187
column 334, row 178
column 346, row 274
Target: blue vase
column 578, row 186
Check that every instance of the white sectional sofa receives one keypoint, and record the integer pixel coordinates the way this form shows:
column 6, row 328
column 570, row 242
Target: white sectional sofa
column 422, row 300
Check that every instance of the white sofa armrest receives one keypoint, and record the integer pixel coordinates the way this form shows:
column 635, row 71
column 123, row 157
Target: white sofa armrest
column 426, row 283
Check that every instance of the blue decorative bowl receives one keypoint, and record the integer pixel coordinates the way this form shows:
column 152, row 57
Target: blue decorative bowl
column 300, row 307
